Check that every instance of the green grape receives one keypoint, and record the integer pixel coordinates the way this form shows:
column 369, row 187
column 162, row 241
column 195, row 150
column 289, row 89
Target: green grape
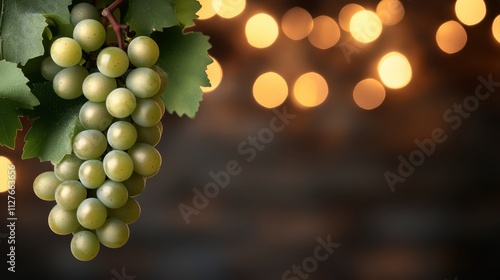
column 91, row 173
column 66, row 52
column 91, row 213
column 67, row 168
column 90, row 34
column 159, row 100
column 149, row 135
column 147, row 113
column 121, row 102
column 146, row 159
column 112, row 62
column 83, row 11
column 129, row 213
column 95, row 115
column 97, row 86
column 85, row 245
column 89, row 144
column 163, row 77
column 62, row 222
column 68, row 82
column 144, row 82
column 112, row 194
column 49, row 69
column 45, row 184
column 143, row 51
column 135, row 184
column 69, row 194
column 118, row 165
column 121, row 135
column 114, row 233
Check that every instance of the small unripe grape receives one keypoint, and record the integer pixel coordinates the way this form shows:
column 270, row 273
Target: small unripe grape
column 83, row 11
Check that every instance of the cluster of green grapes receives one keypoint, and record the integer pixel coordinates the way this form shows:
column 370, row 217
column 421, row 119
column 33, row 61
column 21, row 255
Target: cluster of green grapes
column 95, row 187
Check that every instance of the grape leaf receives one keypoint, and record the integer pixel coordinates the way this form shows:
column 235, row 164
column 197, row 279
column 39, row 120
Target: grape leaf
column 186, row 10
column 145, row 16
column 22, row 25
column 184, row 56
column 51, row 133
column 14, row 94
column 9, row 123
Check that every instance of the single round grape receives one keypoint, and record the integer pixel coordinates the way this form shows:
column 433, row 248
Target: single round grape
column 91, row 173
column 146, row 159
column 163, row 77
column 144, row 82
column 97, row 86
column 68, row 82
column 135, row 184
column 112, row 194
column 121, row 135
column 83, row 11
column 90, row 34
column 143, row 51
column 147, row 113
column 129, row 213
column 62, row 222
column 67, row 168
column 69, row 194
column 149, row 135
column 85, row 245
column 95, row 115
column 49, row 69
column 118, row 165
column 114, row 233
column 91, row 213
column 45, row 184
column 121, row 102
column 66, row 52
column 112, row 62
column 89, row 144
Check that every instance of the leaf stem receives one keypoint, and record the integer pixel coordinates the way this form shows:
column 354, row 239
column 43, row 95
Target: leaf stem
column 117, row 27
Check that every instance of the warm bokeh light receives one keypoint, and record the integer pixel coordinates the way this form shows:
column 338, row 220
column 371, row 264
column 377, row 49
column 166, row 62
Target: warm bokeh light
column 261, row 30
column 368, row 94
column 5, row 163
column 346, row 14
column 394, row 70
column 495, row 28
column 297, row 23
column 470, row 12
column 228, row 8
column 451, row 37
column 310, row 89
column 214, row 73
column 365, row 26
column 390, row 12
column 270, row 90
column 325, row 33
column 206, row 11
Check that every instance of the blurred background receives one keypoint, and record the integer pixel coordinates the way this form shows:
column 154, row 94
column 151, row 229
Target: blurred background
column 317, row 108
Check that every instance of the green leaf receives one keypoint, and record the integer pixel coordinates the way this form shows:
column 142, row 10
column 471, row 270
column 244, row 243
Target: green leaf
column 145, row 16
column 51, row 134
column 184, row 56
column 14, row 86
column 9, row 123
column 22, row 25
column 186, row 10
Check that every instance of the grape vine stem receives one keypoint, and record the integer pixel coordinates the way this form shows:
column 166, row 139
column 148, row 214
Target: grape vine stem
column 117, row 27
